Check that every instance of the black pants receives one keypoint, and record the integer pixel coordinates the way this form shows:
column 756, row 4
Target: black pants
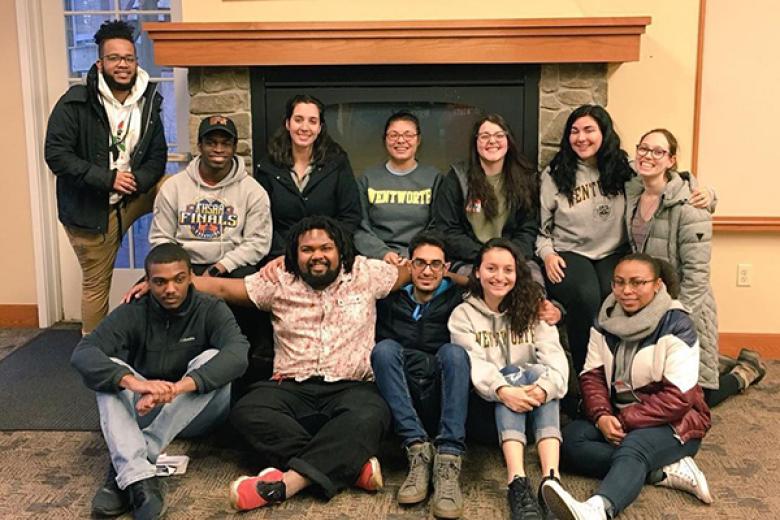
column 324, row 431
column 585, row 284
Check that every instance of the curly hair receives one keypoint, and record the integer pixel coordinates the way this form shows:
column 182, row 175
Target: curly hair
column 612, row 161
column 521, row 180
column 660, row 268
column 114, row 29
column 280, row 147
column 333, row 229
column 521, row 304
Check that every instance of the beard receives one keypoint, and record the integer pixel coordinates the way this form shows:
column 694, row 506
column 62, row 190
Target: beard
column 320, row 281
column 115, row 85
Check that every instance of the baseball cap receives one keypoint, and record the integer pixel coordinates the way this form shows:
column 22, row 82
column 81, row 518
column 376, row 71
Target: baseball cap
column 211, row 123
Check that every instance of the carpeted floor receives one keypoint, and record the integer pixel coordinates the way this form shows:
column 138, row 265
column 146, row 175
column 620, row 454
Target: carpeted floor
column 54, row 474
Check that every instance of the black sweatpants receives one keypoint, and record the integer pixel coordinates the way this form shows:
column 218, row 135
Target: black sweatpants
column 324, row 431
column 584, row 286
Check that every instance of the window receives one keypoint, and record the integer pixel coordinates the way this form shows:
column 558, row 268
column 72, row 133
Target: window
column 82, row 20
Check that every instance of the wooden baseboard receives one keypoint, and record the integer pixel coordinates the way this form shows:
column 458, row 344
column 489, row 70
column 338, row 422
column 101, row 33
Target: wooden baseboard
column 768, row 345
column 18, row 316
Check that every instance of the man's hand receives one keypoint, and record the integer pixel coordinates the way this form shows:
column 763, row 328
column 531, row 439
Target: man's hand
column 124, row 183
column 393, row 258
column 163, row 391
column 554, row 265
column 270, row 272
column 145, row 404
column 136, row 291
column 610, row 428
column 517, row 399
column 549, row 312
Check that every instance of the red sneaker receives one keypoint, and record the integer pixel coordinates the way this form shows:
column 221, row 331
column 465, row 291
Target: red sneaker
column 370, row 477
column 252, row 492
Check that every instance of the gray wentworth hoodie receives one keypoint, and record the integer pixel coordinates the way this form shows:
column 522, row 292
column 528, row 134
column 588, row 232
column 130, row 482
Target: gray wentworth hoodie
column 491, row 346
column 229, row 222
column 591, row 224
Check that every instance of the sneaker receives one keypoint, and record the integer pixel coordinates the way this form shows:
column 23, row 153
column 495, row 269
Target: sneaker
column 685, row 475
column 147, row 497
column 370, row 477
column 447, row 496
column 750, row 369
column 109, row 499
column 415, row 488
column 522, row 503
column 252, row 492
column 566, row 507
column 546, row 513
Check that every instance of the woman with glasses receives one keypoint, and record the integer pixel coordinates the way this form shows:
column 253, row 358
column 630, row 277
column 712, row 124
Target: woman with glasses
column 661, row 222
column 517, row 364
column 645, row 411
column 395, row 197
column 306, row 173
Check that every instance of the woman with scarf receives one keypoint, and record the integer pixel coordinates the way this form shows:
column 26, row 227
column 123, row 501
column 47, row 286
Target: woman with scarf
column 645, row 410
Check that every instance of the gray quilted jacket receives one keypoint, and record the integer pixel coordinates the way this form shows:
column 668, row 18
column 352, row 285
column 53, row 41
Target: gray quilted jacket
column 682, row 235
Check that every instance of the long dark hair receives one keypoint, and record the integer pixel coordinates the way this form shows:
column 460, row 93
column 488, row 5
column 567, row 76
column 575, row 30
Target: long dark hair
column 521, row 303
column 280, row 147
column 611, row 160
column 520, row 177
column 661, row 269
column 334, row 230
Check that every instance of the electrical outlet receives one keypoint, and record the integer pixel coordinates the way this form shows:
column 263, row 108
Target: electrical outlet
column 744, row 275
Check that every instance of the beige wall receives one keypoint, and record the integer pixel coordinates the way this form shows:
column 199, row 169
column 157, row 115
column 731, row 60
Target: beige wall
column 740, row 113
column 17, row 265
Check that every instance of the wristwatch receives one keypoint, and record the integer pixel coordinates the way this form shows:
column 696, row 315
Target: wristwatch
column 214, row 271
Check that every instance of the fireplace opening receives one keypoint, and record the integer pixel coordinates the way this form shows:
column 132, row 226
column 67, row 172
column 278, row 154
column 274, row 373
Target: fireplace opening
column 447, row 99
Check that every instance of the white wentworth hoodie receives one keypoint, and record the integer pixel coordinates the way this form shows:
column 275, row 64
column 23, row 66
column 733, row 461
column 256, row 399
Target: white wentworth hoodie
column 491, row 346
column 229, row 222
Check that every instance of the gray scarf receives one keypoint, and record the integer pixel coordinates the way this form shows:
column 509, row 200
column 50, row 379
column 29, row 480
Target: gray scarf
column 637, row 326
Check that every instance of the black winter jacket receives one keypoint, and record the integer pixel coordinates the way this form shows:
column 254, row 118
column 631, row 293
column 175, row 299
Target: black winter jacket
column 448, row 216
column 331, row 191
column 77, row 152
column 394, row 319
column 159, row 343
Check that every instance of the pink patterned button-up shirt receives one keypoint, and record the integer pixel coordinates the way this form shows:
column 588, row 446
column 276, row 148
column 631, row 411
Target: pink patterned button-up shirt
column 328, row 333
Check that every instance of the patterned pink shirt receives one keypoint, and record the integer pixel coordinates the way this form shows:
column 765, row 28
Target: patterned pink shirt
column 328, row 333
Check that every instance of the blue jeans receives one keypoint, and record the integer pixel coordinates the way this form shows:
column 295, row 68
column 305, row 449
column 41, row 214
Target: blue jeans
column 388, row 360
column 545, row 418
column 134, row 441
column 624, row 468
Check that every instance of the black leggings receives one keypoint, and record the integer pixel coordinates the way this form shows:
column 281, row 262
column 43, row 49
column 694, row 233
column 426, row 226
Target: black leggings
column 728, row 385
column 585, row 284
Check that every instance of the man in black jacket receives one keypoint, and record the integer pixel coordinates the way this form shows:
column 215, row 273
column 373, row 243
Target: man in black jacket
column 424, row 378
column 106, row 145
column 161, row 366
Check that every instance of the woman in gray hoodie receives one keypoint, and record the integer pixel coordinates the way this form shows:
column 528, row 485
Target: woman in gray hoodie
column 516, row 361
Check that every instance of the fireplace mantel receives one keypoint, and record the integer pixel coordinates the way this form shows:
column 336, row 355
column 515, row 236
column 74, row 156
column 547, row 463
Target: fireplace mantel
column 547, row 40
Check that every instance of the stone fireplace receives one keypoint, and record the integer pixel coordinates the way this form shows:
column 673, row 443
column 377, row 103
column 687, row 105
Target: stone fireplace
column 573, row 56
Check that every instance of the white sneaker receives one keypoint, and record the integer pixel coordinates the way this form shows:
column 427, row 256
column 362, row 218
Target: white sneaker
column 685, row 475
column 565, row 507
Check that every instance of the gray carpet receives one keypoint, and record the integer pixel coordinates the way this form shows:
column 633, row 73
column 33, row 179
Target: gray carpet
column 40, row 391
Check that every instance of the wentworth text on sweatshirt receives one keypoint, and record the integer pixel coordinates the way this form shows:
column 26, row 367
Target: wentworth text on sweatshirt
column 395, row 207
column 229, row 222
column 590, row 224
column 491, row 346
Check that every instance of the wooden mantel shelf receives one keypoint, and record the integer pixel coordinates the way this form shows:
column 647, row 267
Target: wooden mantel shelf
column 548, row 40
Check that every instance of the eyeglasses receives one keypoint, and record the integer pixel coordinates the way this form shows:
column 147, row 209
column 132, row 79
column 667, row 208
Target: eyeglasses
column 656, row 153
column 116, row 58
column 395, row 136
column 419, row 265
column 633, row 283
column 485, row 137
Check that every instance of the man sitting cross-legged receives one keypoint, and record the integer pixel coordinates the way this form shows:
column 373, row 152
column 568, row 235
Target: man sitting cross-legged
column 161, row 367
column 320, row 419
column 424, row 378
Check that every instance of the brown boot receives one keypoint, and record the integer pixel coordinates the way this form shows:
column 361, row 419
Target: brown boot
column 749, row 370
